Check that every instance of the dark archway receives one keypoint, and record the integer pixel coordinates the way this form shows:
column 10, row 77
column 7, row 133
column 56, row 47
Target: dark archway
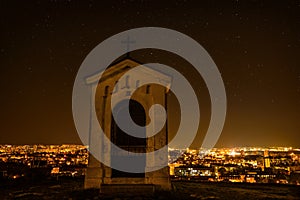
column 128, row 142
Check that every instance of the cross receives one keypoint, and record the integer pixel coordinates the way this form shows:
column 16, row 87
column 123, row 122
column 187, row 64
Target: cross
column 128, row 42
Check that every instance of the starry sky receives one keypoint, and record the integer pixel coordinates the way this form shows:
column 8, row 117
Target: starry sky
column 255, row 44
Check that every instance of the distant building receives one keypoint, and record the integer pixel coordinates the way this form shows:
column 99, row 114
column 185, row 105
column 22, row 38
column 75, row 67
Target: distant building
column 266, row 159
column 193, row 171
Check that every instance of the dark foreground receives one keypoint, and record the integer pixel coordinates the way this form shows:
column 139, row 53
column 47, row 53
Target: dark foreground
column 72, row 189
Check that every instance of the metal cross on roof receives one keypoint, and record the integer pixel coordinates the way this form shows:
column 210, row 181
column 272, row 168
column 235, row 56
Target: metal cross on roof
column 128, row 42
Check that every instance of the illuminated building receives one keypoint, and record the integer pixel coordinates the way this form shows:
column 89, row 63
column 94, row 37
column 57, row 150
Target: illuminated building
column 266, row 159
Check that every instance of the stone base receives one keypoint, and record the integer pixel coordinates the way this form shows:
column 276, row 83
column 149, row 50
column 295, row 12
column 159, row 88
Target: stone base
column 92, row 183
column 97, row 177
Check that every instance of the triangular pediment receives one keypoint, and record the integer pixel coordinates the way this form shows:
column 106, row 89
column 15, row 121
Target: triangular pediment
column 123, row 66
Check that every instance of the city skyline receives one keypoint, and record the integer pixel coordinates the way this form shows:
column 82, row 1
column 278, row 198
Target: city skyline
column 46, row 169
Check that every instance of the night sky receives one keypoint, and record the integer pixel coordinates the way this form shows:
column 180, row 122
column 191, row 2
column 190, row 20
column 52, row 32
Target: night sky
column 255, row 44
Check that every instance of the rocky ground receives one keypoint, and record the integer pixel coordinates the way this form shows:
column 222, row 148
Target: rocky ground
column 237, row 191
column 73, row 189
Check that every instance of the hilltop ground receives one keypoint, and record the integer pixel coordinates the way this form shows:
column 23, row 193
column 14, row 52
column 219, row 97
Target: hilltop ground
column 73, row 189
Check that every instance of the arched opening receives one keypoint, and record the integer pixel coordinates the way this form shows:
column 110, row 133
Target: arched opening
column 126, row 141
